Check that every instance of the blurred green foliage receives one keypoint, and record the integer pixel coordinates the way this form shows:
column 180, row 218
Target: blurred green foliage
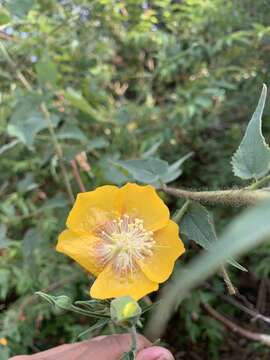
column 120, row 79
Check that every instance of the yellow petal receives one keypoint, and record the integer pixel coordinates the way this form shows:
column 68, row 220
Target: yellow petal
column 144, row 203
column 94, row 208
column 109, row 285
column 81, row 248
column 168, row 247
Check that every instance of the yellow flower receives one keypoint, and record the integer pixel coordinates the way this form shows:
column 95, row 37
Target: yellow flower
column 3, row 341
column 124, row 237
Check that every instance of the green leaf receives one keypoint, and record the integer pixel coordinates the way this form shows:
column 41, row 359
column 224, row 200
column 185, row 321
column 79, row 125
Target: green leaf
column 99, row 324
column 27, row 121
column 4, row 241
column 79, row 102
column 152, row 170
column 197, row 224
column 145, row 170
column 20, row 8
column 175, row 170
column 5, row 277
column 252, row 159
column 27, row 183
column 71, row 132
column 58, row 201
column 30, row 244
column 128, row 356
column 46, row 71
column 4, row 16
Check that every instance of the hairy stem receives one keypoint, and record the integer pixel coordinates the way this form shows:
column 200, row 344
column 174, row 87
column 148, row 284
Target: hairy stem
column 240, row 197
column 134, row 345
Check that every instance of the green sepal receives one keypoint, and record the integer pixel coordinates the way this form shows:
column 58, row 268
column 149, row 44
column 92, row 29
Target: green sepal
column 125, row 310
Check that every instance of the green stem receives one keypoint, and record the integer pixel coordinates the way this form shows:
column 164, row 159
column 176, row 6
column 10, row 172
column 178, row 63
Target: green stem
column 181, row 212
column 87, row 312
column 260, row 183
column 134, row 345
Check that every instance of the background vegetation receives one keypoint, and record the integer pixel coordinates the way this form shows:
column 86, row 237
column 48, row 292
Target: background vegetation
column 85, row 84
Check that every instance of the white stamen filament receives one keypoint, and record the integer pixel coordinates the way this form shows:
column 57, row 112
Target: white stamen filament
column 123, row 242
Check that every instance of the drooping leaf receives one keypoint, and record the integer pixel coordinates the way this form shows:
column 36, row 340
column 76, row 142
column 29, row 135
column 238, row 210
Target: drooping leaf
column 152, row 170
column 252, row 159
column 27, row 183
column 145, row 170
column 152, row 150
column 77, row 100
column 197, row 224
column 71, row 132
column 175, row 170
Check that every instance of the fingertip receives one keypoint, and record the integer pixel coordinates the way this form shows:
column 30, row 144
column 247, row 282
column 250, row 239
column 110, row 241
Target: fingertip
column 155, row 353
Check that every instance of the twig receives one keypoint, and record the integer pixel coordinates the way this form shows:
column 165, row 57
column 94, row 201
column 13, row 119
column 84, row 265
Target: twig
column 58, row 150
column 246, row 309
column 240, row 197
column 262, row 338
column 231, row 288
column 77, row 176
column 255, row 314
column 14, row 67
column 261, row 298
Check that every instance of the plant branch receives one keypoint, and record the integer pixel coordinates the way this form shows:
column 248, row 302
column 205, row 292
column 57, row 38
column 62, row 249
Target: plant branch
column 262, row 338
column 255, row 314
column 239, row 197
column 58, row 150
column 77, row 176
column 231, row 288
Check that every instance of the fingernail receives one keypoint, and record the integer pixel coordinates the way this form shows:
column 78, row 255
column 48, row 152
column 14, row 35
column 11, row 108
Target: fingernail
column 155, row 353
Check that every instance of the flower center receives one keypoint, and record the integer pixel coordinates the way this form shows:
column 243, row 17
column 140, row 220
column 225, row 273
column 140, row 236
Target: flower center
column 124, row 240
